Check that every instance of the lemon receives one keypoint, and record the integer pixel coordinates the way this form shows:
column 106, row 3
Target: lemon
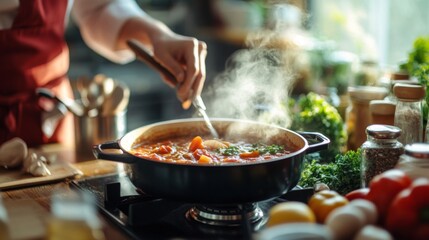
column 290, row 212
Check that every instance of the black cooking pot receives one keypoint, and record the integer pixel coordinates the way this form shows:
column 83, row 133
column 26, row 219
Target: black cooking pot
column 218, row 184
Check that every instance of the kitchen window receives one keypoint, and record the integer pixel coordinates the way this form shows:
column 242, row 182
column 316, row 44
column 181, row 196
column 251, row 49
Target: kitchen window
column 382, row 30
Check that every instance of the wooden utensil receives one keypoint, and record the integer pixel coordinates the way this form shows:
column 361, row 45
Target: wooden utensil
column 116, row 101
column 144, row 55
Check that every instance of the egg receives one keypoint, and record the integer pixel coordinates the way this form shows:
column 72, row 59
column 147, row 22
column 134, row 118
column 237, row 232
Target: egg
column 371, row 232
column 13, row 153
column 368, row 209
column 345, row 222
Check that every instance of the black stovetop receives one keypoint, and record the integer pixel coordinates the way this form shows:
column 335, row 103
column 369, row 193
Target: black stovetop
column 144, row 217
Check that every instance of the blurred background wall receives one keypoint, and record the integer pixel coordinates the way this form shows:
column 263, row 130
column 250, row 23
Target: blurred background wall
column 341, row 37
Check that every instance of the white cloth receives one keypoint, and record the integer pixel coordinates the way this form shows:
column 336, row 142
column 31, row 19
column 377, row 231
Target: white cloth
column 99, row 21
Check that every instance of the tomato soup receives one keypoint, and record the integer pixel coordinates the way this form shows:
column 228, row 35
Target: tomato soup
column 208, row 151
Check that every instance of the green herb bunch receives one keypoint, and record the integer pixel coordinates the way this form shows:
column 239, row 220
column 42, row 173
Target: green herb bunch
column 418, row 57
column 417, row 65
column 342, row 175
column 314, row 113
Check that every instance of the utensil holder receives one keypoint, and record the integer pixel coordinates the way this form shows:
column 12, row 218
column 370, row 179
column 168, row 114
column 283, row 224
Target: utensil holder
column 91, row 131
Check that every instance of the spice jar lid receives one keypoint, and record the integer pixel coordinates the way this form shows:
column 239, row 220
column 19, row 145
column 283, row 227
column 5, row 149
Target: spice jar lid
column 409, row 91
column 417, row 150
column 408, row 81
column 400, row 75
column 382, row 107
column 367, row 93
column 380, row 131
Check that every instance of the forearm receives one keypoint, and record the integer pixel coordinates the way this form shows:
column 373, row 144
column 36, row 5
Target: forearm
column 100, row 23
column 143, row 28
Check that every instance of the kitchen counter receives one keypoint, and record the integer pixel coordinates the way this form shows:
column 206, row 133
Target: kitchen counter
column 29, row 208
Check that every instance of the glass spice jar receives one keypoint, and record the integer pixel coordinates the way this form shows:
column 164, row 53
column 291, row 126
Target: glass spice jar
column 357, row 113
column 415, row 160
column 382, row 112
column 381, row 151
column 408, row 113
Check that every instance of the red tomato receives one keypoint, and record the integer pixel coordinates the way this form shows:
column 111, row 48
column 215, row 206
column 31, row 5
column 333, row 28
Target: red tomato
column 384, row 188
column 357, row 194
column 408, row 214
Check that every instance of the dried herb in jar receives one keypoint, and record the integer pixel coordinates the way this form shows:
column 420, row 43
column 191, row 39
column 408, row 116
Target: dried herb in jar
column 381, row 151
column 408, row 113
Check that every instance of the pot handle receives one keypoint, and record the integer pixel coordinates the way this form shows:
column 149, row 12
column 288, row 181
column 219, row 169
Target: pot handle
column 117, row 157
column 316, row 141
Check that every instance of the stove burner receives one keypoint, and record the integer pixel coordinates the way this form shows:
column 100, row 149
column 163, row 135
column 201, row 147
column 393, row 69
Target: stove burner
column 141, row 216
column 225, row 215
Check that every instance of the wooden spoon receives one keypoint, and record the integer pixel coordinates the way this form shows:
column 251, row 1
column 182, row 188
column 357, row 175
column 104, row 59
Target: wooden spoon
column 117, row 101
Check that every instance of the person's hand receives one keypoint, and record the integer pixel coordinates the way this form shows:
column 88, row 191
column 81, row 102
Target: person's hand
column 185, row 58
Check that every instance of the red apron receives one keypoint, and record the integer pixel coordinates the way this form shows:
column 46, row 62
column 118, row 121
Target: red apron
column 33, row 53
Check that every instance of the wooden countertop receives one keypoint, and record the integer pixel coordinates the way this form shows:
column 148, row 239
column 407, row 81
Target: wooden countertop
column 29, row 208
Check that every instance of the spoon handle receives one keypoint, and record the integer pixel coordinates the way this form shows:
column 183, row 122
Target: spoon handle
column 143, row 54
column 70, row 104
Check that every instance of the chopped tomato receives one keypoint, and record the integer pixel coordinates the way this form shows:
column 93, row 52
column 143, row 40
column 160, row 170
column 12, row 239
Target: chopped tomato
column 196, row 143
column 163, row 149
column 199, row 152
column 249, row 154
column 205, row 159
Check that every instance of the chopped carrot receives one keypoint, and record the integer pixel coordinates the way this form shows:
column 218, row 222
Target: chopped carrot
column 249, row 154
column 231, row 160
column 196, row 143
column 204, row 160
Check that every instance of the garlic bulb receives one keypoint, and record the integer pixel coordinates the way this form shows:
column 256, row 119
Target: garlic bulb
column 36, row 165
column 13, row 153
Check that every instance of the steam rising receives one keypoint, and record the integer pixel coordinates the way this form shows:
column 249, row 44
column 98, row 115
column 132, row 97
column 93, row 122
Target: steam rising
column 256, row 82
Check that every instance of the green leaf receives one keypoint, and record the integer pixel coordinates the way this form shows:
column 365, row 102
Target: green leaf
column 342, row 175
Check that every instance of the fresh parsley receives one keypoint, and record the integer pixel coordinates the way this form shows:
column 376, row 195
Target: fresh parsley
column 262, row 149
column 229, row 151
column 271, row 149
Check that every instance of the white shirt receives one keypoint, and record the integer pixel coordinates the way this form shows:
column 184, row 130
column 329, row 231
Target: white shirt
column 99, row 22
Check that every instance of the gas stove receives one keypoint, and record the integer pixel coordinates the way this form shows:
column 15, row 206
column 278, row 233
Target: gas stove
column 146, row 217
